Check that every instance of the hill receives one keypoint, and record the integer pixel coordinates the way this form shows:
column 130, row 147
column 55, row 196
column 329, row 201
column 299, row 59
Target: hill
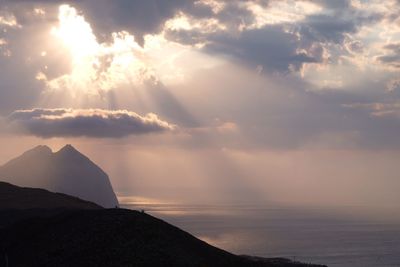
column 66, row 171
column 14, row 197
column 113, row 237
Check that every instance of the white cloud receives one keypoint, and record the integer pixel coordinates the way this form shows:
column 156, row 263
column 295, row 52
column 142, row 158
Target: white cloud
column 8, row 20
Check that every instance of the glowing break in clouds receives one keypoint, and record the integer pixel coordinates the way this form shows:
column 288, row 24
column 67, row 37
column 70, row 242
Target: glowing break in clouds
column 96, row 123
column 8, row 20
column 95, row 66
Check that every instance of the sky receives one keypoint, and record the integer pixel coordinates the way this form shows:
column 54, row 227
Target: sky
column 293, row 102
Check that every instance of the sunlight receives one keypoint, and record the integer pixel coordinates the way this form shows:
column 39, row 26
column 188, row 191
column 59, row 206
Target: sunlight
column 76, row 33
column 268, row 128
column 95, row 66
column 78, row 37
column 281, row 12
column 107, row 74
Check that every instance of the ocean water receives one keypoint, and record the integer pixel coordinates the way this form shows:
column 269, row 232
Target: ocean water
column 339, row 238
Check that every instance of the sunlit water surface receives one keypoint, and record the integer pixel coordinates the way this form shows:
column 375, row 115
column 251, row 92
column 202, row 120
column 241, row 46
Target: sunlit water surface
column 349, row 238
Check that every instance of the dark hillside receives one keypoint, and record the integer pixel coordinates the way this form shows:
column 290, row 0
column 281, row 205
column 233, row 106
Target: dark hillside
column 113, row 237
column 14, row 197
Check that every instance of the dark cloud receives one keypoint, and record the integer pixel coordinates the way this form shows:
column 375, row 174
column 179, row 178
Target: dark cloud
column 392, row 56
column 136, row 16
column 337, row 4
column 96, row 123
column 333, row 27
column 272, row 47
column 326, row 28
column 233, row 15
column 10, row 2
column 279, row 47
column 144, row 17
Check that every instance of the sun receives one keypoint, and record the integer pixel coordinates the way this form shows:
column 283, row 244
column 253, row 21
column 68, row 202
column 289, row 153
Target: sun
column 78, row 37
column 98, row 67
column 83, row 49
column 76, row 33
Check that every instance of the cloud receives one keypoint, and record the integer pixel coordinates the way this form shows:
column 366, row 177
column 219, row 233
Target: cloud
column 8, row 20
column 230, row 28
column 96, row 123
column 379, row 109
column 392, row 56
column 225, row 26
column 393, row 85
column 272, row 47
column 233, row 35
column 136, row 16
column 275, row 34
column 327, row 28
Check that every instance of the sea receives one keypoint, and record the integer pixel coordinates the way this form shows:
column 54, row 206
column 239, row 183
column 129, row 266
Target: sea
column 337, row 237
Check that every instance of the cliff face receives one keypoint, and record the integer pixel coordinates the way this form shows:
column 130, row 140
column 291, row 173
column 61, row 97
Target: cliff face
column 66, row 171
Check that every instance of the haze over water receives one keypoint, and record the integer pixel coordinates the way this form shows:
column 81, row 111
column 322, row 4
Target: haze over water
column 345, row 237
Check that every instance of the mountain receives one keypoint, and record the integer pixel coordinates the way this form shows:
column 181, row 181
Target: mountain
column 112, row 237
column 14, row 197
column 66, row 171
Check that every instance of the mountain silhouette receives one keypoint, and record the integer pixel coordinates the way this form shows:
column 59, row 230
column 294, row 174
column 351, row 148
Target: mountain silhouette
column 22, row 198
column 112, row 237
column 66, row 171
